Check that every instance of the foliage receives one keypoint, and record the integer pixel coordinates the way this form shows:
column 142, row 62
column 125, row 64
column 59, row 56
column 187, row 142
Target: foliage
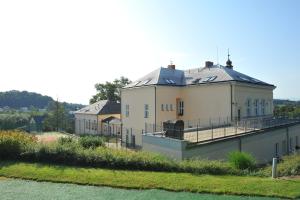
column 17, row 99
column 91, row 141
column 241, row 160
column 58, row 119
column 13, row 121
column 288, row 166
column 110, row 90
column 14, row 143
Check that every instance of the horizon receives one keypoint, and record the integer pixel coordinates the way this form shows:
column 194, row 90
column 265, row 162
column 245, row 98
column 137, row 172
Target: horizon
column 63, row 48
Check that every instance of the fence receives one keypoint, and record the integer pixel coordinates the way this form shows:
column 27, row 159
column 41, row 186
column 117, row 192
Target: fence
column 211, row 129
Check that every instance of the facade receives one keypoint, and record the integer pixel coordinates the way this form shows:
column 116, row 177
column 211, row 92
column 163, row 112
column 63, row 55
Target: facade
column 203, row 95
column 102, row 117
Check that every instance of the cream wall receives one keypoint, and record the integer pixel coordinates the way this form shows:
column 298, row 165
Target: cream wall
column 205, row 103
column 136, row 99
column 81, row 119
column 166, row 95
column 80, row 123
column 243, row 92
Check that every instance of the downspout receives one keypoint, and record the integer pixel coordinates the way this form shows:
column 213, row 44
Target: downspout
column 231, row 97
column 154, row 108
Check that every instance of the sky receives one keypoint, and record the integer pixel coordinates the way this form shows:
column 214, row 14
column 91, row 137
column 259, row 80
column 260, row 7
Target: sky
column 62, row 48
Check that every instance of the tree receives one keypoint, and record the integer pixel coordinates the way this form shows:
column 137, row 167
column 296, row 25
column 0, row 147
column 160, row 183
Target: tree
column 110, row 90
column 56, row 117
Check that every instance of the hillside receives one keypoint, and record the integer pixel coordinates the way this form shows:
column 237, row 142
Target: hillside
column 18, row 99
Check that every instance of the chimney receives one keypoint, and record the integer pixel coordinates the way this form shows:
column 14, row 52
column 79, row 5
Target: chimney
column 209, row 64
column 171, row 66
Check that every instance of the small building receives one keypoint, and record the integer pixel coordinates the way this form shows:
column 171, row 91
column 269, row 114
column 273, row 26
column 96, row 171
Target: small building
column 102, row 117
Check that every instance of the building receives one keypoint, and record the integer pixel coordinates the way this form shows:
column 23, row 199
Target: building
column 102, row 117
column 207, row 96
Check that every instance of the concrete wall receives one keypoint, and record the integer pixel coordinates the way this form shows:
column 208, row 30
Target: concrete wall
column 262, row 145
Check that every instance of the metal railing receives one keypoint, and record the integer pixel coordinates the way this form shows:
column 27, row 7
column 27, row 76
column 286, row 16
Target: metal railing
column 217, row 128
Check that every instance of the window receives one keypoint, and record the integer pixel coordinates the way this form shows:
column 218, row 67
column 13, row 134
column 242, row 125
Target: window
column 127, row 110
column 86, row 124
column 89, row 125
column 146, row 111
column 277, row 149
column 297, row 141
column 180, row 107
column 263, row 104
column 249, row 107
column 171, row 107
column 162, row 107
column 167, row 107
column 256, row 107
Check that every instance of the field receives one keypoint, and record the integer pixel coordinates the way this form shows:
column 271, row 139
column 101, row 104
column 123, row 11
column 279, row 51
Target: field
column 24, row 190
column 178, row 182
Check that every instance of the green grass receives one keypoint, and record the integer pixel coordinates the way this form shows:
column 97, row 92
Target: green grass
column 236, row 185
column 14, row 189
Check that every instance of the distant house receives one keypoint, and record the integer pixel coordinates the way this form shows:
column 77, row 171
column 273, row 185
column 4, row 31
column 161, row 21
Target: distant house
column 36, row 124
column 102, row 117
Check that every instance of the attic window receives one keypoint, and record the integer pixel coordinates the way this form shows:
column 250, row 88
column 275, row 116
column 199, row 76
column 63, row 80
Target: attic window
column 169, row 81
column 137, row 83
column 197, row 80
column 208, row 79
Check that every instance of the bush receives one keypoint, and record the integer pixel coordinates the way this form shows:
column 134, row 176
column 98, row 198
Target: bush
column 241, row 160
column 288, row 166
column 91, row 141
column 14, row 143
column 65, row 140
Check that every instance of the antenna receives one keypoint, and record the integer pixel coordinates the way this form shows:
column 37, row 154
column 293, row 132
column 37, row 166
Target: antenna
column 228, row 53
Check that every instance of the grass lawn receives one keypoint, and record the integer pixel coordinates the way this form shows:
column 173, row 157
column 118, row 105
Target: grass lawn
column 237, row 185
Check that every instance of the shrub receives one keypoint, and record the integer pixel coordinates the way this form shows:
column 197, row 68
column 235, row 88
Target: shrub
column 288, row 166
column 241, row 160
column 65, row 140
column 91, row 141
column 13, row 143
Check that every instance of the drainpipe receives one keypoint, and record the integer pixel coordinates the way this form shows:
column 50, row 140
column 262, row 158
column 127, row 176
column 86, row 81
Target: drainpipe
column 287, row 141
column 154, row 108
column 231, row 98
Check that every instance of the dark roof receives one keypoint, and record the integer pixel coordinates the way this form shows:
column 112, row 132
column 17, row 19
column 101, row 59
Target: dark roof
column 102, row 107
column 213, row 74
column 111, row 120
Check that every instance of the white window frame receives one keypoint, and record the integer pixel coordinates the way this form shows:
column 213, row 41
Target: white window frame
column 263, row 107
column 248, row 103
column 256, row 107
column 181, row 108
column 127, row 110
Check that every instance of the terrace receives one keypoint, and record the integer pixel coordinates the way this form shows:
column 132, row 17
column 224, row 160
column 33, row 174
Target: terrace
column 219, row 128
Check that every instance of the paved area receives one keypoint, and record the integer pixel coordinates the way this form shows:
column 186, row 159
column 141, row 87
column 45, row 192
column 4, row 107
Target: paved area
column 214, row 133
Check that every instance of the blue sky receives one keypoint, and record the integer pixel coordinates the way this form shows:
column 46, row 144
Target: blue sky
column 96, row 41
